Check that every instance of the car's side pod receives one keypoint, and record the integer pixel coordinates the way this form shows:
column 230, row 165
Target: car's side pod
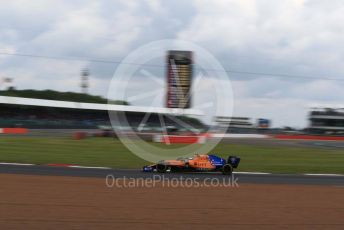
column 234, row 161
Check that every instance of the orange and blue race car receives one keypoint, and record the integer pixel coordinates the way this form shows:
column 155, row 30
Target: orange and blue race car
column 197, row 163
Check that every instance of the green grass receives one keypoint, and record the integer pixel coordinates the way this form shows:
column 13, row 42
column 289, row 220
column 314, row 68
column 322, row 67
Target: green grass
column 109, row 152
column 286, row 159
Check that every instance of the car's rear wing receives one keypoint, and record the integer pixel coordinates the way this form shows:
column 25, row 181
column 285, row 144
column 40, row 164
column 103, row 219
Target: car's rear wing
column 234, row 161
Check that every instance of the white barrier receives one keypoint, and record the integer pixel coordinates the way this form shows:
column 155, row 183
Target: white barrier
column 236, row 135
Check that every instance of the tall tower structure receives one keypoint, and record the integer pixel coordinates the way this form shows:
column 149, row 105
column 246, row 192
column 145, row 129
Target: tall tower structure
column 179, row 79
column 85, row 73
column 6, row 83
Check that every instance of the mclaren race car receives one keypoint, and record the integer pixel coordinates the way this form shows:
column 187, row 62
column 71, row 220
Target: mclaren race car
column 197, row 163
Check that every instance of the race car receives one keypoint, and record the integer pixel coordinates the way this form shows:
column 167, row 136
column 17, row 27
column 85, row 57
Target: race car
column 197, row 163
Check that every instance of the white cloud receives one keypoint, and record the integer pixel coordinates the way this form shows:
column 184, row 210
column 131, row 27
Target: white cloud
column 297, row 37
column 282, row 112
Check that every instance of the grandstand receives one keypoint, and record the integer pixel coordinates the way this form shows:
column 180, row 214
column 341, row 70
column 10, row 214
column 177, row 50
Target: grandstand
column 326, row 121
column 243, row 125
column 38, row 113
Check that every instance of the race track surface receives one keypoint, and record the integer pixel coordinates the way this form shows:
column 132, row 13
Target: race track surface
column 59, row 202
column 255, row 178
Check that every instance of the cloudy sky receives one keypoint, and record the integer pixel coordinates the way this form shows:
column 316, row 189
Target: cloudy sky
column 287, row 42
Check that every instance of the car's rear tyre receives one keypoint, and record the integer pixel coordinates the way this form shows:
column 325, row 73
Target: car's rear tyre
column 186, row 167
column 161, row 168
column 227, row 169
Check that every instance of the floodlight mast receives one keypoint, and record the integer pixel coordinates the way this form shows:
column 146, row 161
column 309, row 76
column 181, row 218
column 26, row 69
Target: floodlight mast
column 85, row 73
